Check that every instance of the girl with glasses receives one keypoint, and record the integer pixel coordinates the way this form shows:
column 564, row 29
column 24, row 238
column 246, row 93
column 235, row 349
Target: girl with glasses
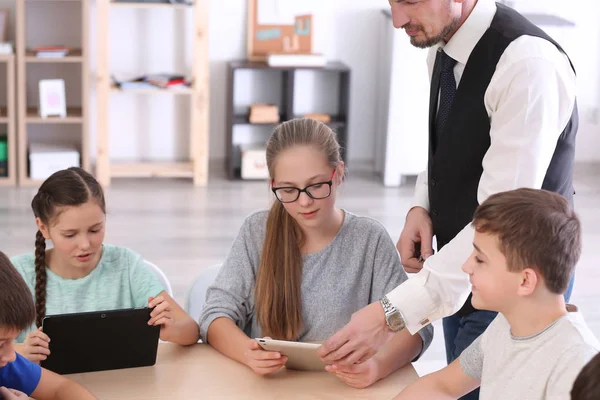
column 300, row 270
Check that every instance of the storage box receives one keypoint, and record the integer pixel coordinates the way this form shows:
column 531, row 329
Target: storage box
column 263, row 114
column 44, row 160
column 254, row 164
column 325, row 118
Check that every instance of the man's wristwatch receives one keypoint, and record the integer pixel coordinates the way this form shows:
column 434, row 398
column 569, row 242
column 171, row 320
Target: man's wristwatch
column 393, row 318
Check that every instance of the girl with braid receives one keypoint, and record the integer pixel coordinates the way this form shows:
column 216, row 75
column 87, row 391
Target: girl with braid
column 80, row 273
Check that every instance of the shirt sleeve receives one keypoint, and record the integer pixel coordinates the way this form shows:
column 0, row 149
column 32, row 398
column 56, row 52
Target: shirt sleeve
column 22, row 374
column 440, row 288
column 471, row 359
column 231, row 295
column 144, row 283
column 387, row 274
column 421, row 198
column 530, row 101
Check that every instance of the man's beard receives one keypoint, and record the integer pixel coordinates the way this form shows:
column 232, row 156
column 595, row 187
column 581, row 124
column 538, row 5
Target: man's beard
column 432, row 41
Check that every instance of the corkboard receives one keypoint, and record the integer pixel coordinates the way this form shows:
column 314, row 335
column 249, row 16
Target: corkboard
column 278, row 39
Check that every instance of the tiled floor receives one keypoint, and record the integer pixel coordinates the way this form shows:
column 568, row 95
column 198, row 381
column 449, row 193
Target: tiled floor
column 183, row 229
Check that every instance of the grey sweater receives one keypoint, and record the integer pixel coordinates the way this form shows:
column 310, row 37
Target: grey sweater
column 358, row 267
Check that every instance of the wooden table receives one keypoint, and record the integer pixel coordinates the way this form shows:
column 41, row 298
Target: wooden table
column 200, row 372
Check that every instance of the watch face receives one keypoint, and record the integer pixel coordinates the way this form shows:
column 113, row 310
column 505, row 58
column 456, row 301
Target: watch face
column 396, row 323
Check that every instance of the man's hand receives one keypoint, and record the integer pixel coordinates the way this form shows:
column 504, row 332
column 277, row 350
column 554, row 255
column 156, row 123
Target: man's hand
column 359, row 340
column 416, row 240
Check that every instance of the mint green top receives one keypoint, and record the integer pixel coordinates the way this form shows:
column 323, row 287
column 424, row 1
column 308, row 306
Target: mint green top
column 121, row 280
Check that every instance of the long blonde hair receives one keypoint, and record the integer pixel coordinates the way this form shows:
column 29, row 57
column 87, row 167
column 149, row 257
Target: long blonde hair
column 278, row 284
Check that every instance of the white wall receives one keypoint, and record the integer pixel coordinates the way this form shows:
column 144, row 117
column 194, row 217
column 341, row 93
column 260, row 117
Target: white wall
column 582, row 43
column 145, row 41
column 345, row 32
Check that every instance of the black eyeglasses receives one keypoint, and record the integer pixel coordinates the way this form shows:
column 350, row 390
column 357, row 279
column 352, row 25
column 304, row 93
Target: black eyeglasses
column 317, row 191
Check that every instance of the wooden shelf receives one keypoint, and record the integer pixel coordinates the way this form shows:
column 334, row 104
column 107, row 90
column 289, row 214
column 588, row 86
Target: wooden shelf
column 132, row 4
column 333, row 66
column 4, row 115
column 157, row 90
column 74, row 116
column 8, row 113
column 74, row 56
column 152, row 170
column 27, row 111
column 196, row 165
column 339, row 119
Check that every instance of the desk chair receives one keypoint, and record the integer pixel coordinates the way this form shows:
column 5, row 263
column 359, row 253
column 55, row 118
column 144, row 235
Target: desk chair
column 162, row 278
column 196, row 296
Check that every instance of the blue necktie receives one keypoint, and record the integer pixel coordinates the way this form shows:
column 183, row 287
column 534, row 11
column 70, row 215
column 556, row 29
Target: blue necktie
column 447, row 92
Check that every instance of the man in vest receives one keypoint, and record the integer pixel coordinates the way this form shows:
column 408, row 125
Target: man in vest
column 502, row 116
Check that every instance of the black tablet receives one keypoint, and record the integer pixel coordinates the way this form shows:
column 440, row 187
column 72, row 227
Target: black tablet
column 100, row 340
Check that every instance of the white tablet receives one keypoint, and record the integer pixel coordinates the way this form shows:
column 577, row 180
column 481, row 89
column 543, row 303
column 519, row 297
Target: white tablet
column 301, row 356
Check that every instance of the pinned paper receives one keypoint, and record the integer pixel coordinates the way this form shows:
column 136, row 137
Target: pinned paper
column 268, row 34
column 302, row 27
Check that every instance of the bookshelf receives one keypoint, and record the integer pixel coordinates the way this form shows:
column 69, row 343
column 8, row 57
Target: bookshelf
column 196, row 167
column 287, row 107
column 73, row 68
column 7, row 118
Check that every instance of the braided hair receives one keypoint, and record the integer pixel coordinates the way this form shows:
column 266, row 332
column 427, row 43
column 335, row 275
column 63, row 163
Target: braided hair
column 69, row 187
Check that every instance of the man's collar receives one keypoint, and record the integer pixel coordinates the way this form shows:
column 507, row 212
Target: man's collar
column 464, row 40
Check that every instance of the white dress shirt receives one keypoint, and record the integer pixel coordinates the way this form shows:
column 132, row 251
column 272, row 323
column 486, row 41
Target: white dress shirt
column 529, row 100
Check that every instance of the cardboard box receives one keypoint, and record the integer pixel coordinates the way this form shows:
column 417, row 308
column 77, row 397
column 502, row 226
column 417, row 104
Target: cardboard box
column 44, row 159
column 325, row 118
column 264, row 114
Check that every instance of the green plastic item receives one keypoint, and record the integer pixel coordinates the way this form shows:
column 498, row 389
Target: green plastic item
column 3, row 149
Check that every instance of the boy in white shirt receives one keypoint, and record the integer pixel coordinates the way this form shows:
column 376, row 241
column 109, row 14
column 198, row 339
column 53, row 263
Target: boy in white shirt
column 526, row 245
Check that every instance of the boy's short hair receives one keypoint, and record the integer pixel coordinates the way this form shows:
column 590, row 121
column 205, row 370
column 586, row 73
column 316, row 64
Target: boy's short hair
column 16, row 304
column 536, row 229
column 587, row 384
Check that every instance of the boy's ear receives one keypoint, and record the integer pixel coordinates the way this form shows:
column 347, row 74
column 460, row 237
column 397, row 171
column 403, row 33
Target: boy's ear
column 529, row 282
column 42, row 228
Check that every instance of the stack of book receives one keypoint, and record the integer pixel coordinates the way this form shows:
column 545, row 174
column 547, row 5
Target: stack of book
column 165, row 81
column 51, row 51
column 160, row 81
